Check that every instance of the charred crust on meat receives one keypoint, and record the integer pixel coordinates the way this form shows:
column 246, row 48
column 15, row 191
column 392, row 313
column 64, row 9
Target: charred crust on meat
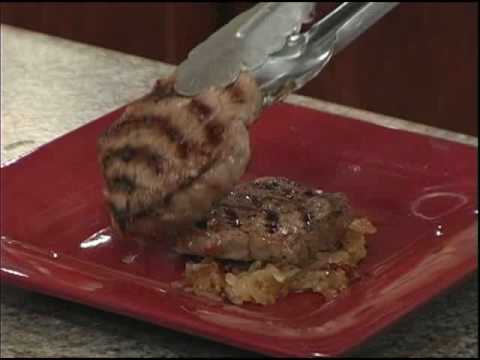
column 156, row 163
column 120, row 215
column 201, row 224
column 268, row 185
column 189, row 180
column 127, row 153
column 200, row 110
column 271, row 218
column 185, row 148
column 160, row 123
column 143, row 154
column 145, row 212
column 121, row 184
column 309, row 193
column 214, row 132
column 174, row 135
column 201, row 150
column 302, row 227
column 232, row 217
column 165, row 125
column 106, row 160
column 167, row 200
column 257, row 203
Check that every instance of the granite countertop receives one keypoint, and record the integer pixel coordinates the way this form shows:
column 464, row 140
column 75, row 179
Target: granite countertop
column 85, row 82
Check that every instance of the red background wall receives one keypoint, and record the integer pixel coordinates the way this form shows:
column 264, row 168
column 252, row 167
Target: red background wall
column 418, row 63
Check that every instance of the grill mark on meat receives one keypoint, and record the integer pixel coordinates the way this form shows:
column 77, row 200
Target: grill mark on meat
column 185, row 148
column 141, row 154
column 187, row 183
column 148, row 122
column 236, row 94
column 280, row 229
column 167, row 199
column 127, row 153
column 271, row 218
column 156, row 163
column 232, row 217
column 255, row 201
column 214, row 132
column 133, row 122
column 123, row 217
column 246, row 208
column 163, row 125
column 171, row 132
column 122, row 184
column 120, row 215
column 190, row 179
column 200, row 110
column 201, row 224
column 142, row 213
column 174, row 135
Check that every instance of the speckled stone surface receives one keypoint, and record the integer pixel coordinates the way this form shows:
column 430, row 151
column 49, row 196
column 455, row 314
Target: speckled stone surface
column 50, row 86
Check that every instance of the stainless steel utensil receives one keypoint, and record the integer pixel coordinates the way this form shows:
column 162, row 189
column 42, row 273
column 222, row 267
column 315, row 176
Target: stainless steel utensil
column 267, row 41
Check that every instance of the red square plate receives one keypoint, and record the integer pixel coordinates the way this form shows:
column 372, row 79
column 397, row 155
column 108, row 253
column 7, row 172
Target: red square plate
column 420, row 192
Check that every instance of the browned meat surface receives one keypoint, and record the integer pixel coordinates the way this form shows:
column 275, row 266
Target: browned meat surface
column 168, row 157
column 270, row 219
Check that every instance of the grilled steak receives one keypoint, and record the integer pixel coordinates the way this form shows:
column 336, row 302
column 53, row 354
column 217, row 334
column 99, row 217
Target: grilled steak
column 270, row 219
column 168, row 157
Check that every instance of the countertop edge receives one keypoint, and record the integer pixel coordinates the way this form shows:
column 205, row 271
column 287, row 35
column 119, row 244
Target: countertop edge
column 380, row 119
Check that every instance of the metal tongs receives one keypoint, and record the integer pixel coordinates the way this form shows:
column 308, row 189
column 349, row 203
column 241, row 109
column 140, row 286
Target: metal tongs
column 267, row 41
